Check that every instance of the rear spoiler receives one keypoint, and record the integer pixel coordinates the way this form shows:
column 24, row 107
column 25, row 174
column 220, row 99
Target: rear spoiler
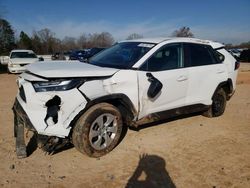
column 222, row 47
column 216, row 45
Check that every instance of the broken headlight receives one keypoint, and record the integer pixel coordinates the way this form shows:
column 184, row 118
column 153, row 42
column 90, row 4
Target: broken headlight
column 57, row 85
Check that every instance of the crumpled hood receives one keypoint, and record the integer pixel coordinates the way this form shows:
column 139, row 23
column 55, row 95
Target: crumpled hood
column 68, row 69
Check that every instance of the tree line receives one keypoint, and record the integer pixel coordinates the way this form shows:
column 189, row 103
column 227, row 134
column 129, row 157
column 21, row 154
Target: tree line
column 44, row 41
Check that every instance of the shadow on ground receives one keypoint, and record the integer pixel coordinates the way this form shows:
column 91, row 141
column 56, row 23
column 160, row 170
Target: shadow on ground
column 150, row 173
column 3, row 69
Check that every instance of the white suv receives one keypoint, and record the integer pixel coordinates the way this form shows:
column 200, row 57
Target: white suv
column 133, row 82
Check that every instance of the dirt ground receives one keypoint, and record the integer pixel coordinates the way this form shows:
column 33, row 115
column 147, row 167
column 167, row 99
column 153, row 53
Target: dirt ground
column 191, row 152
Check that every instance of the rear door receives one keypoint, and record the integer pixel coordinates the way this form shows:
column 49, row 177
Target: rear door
column 205, row 73
column 165, row 65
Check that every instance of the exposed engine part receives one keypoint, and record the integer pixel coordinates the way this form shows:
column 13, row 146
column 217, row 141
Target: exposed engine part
column 52, row 144
column 53, row 106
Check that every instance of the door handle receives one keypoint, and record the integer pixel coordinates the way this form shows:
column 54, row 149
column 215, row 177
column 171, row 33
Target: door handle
column 220, row 71
column 182, row 78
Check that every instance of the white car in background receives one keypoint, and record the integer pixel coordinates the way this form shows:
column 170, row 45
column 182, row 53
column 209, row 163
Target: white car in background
column 235, row 52
column 20, row 58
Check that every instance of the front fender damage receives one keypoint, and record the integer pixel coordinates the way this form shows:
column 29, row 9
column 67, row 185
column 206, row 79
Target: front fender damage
column 50, row 115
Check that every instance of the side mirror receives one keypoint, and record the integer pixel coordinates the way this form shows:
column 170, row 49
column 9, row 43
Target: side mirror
column 155, row 86
column 40, row 59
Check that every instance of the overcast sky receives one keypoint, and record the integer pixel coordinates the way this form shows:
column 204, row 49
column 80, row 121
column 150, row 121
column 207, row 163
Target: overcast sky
column 226, row 21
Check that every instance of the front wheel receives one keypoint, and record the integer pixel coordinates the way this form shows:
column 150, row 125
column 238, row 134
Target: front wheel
column 98, row 130
column 218, row 105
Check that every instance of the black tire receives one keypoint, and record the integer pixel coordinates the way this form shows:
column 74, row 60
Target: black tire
column 89, row 123
column 219, row 104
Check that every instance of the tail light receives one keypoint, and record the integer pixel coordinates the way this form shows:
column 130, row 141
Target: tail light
column 237, row 65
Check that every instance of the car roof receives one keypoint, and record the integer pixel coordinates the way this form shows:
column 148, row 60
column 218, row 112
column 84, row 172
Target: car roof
column 22, row 50
column 148, row 40
column 177, row 39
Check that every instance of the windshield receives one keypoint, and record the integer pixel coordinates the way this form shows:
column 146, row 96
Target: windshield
column 122, row 55
column 22, row 55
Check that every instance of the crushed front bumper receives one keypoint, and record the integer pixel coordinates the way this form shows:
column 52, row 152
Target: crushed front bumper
column 48, row 114
column 21, row 117
column 21, row 120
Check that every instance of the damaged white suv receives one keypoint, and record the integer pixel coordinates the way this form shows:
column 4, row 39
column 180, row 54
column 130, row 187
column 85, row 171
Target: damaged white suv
column 89, row 104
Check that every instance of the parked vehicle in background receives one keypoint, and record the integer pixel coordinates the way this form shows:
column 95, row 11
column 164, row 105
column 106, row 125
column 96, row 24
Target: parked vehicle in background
column 4, row 60
column 128, row 84
column 20, row 58
column 91, row 52
column 58, row 56
column 83, row 55
column 235, row 52
column 77, row 55
column 245, row 55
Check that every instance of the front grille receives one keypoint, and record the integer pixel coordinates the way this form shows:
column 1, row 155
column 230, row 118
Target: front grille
column 23, row 65
column 22, row 93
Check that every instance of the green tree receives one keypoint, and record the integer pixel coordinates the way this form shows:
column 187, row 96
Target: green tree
column 47, row 39
column 36, row 43
column 134, row 36
column 24, row 42
column 44, row 42
column 183, row 32
column 7, row 37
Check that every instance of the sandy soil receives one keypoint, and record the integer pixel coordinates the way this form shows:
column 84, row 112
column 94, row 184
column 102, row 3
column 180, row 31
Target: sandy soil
column 191, row 152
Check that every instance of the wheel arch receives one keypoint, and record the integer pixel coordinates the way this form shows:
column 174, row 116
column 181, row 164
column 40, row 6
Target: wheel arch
column 227, row 86
column 120, row 101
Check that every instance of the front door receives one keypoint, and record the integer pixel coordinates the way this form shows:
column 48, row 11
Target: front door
column 165, row 65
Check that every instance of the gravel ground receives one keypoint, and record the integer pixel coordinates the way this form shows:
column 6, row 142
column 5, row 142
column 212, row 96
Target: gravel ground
column 191, row 152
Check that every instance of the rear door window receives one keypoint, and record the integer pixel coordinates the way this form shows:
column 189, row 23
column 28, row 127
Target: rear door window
column 198, row 55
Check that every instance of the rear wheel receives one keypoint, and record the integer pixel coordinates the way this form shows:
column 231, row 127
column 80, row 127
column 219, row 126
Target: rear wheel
column 219, row 104
column 98, row 130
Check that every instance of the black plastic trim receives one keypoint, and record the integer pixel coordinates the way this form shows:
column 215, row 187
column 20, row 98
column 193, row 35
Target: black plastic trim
column 172, row 113
column 83, row 94
column 228, row 84
column 20, row 115
column 109, row 98
column 121, row 101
